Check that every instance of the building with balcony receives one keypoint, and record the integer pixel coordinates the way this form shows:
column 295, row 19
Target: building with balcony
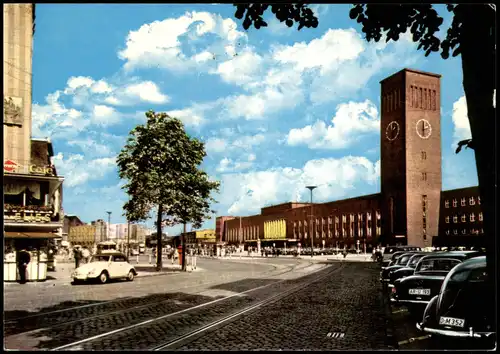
column 33, row 191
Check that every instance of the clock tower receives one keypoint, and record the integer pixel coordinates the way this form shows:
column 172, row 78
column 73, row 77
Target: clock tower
column 410, row 157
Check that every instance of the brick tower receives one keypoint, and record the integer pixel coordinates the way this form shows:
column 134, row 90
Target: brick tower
column 410, row 157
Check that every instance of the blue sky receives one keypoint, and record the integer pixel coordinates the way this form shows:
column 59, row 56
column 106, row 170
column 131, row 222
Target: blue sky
column 278, row 109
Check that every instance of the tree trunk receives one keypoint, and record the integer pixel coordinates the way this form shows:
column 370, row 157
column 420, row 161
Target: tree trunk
column 159, row 246
column 183, row 242
column 478, row 64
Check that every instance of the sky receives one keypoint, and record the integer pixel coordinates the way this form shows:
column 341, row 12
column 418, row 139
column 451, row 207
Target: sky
column 277, row 108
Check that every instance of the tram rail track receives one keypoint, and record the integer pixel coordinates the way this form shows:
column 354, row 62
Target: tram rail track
column 169, row 319
column 52, row 327
column 59, row 311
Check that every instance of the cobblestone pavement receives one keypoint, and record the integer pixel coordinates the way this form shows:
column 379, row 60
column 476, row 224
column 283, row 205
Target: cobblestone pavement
column 343, row 312
column 127, row 311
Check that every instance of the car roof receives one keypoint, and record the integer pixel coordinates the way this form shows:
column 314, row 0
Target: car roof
column 471, row 263
column 448, row 255
column 111, row 254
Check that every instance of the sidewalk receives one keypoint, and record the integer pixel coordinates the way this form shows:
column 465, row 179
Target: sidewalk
column 338, row 257
column 63, row 271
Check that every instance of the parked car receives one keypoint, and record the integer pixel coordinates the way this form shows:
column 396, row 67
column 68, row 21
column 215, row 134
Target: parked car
column 401, row 262
column 407, row 270
column 103, row 267
column 389, row 251
column 463, row 307
column 415, row 291
column 392, row 260
column 134, row 252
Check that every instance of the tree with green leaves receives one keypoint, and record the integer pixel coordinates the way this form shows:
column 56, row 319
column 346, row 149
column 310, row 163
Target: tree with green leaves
column 161, row 165
column 471, row 35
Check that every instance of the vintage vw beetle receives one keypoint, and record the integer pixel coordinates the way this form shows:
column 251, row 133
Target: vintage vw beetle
column 392, row 252
column 400, row 262
column 463, row 307
column 415, row 291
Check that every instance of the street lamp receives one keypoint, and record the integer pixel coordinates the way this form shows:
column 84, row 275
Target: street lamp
column 311, row 188
column 109, row 225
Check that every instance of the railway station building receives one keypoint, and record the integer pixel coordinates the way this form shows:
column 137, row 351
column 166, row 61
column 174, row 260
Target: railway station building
column 411, row 208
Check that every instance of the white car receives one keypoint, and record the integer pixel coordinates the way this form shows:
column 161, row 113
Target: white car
column 103, row 267
column 134, row 252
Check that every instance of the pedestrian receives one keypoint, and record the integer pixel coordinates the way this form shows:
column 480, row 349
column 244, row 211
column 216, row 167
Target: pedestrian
column 77, row 255
column 262, row 252
column 86, row 255
column 23, row 259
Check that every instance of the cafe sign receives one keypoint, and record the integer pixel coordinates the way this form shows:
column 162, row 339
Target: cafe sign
column 23, row 217
column 13, row 167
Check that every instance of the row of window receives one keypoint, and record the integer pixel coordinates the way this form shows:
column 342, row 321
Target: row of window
column 463, row 218
column 464, row 231
column 463, row 202
column 342, row 233
column 247, row 233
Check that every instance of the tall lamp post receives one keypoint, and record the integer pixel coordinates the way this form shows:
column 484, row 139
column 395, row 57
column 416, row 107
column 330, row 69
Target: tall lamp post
column 109, row 225
column 311, row 188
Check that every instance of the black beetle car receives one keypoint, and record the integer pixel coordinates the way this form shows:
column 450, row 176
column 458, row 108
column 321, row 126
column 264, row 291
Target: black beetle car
column 415, row 291
column 391, row 250
column 463, row 307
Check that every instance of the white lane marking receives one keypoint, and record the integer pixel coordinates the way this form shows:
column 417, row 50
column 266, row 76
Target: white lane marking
column 163, row 317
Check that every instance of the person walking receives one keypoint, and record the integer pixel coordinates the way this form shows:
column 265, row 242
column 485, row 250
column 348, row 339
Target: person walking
column 23, row 259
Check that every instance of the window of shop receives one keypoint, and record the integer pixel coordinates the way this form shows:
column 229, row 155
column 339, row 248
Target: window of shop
column 463, row 218
column 472, row 201
column 472, row 217
column 464, row 232
column 479, row 200
column 462, row 202
column 455, row 219
column 447, row 232
column 455, row 232
column 481, row 216
column 447, row 219
column 446, row 203
column 455, row 203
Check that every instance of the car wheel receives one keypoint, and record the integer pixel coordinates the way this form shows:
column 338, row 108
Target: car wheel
column 103, row 278
column 74, row 282
column 130, row 276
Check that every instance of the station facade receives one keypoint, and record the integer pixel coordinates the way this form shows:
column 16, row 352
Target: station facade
column 411, row 208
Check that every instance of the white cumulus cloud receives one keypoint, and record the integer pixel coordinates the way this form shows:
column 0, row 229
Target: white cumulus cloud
column 352, row 120
column 246, row 193
column 77, row 170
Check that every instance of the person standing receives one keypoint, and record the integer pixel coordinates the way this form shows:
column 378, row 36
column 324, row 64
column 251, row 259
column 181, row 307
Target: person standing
column 78, row 256
column 23, row 259
column 86, row 255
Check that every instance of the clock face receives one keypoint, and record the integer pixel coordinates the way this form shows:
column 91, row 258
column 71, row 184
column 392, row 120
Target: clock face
column 392, row 131
column 424, row 129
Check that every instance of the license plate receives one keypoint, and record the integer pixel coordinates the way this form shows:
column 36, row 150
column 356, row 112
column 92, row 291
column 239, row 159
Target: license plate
column 450, row 321
column 419, row 291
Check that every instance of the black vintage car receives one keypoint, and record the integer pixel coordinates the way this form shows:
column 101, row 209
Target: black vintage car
column 391, row 250
column 400, row 262
column 463, row 307
column 407, row 270
column 415, row 291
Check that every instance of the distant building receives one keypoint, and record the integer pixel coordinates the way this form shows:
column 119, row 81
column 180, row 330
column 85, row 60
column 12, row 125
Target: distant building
column 200, row 238
column 69, row 222
column 411, row 208
column 101, row 230
column 83, row 235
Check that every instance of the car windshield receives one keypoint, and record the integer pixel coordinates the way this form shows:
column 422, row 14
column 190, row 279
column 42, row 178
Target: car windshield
column 414, row 260
column 436, row 265
column 403, row 260
column 99, row 259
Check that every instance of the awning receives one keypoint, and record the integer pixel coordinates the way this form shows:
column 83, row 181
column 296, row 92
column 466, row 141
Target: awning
column 30, row 235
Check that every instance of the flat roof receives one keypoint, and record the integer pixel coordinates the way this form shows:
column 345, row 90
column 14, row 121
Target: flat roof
column 413, row 71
